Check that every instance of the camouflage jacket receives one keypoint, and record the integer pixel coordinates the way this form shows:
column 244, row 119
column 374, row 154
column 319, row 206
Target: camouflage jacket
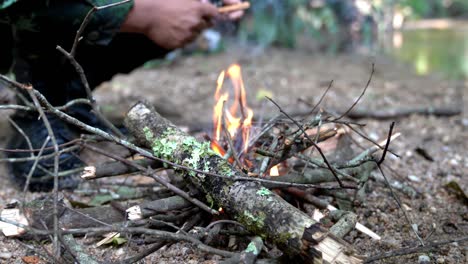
column 31, row 29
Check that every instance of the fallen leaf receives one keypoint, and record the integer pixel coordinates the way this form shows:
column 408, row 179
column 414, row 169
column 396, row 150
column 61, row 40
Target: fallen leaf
column 31, row 259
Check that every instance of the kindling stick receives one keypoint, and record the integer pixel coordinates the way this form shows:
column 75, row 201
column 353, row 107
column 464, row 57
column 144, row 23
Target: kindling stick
column 232, row 8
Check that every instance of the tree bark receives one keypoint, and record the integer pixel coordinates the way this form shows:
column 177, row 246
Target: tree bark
column 261, row 211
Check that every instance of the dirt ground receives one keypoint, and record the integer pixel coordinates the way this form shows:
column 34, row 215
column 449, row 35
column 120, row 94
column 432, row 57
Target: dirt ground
column 183, row 92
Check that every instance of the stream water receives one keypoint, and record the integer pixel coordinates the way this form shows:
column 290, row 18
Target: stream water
column 433, row 50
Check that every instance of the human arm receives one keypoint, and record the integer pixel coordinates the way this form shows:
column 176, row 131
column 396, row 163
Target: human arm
column 170, row 24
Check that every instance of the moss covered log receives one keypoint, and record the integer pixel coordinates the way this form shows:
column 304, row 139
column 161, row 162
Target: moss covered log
column 261, row 211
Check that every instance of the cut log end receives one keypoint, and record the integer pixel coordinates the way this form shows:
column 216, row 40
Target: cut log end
column 134, row 213
column 89, row 173
column 12, row 216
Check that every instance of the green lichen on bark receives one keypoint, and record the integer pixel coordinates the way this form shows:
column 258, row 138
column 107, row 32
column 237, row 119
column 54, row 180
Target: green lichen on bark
column 162, row 146
column 199, row 151
column 225, row 169
column 256, row 220
column 263, row 192
column 283, row 238
column 166, row 145
column 148, row 134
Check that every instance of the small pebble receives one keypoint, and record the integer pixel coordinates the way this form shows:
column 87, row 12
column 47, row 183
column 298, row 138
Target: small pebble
column 5, row 255
column 374, row 136
column 440, row 260
column 391, row 242
column 397, row 184
column 414, row 178
column 216, row 258
column 120, row 252
column 446, row 139
column 423, row 259
column 185, row 251
column 406, row 207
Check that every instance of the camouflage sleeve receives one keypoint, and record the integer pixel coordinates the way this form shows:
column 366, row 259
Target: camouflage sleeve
column 6, row 3
column 107, row 22
column 41, row 16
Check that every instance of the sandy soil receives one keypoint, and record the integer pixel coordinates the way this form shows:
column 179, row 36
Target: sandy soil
column 183, row 92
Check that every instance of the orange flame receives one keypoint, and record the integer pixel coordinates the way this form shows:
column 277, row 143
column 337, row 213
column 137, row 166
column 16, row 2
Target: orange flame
column 237, row 116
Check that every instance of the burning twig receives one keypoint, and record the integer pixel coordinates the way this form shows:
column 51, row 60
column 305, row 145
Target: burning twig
column 232, row 151
column 292, row 147
column 311, row 141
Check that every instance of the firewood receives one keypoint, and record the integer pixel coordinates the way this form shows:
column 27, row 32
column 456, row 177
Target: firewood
column 38, row 214
column 261, row 211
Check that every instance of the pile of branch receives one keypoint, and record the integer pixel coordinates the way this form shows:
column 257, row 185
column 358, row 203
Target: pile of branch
column 203, row 197
column 246, row 200
column 260, row 212
column 202, row 183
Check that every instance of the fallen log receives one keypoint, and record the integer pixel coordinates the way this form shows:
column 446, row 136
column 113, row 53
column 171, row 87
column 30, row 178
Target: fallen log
column 39, row 214
column 261, row 211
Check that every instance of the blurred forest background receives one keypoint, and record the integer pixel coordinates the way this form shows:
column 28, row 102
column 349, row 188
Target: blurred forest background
column 432, row 35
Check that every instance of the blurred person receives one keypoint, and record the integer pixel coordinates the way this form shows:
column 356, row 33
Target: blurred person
column 117, row 40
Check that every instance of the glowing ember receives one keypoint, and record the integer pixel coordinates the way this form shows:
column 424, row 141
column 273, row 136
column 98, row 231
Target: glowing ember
column 235, row 112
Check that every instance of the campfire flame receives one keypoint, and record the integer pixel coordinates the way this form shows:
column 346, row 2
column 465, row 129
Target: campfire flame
column 235, row 112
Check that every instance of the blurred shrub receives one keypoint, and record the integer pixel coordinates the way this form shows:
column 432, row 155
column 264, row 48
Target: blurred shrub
column 458, row 8
column 435, row 8
column 281, row 22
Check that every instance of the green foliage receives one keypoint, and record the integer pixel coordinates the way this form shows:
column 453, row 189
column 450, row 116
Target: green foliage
column 282, row 22
column 418, row 7
column 432, row 8
column 115, row 241
column 458, row 8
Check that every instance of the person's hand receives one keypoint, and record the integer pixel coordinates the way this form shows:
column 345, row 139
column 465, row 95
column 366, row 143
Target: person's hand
column 236, row 15
column 170, row 24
